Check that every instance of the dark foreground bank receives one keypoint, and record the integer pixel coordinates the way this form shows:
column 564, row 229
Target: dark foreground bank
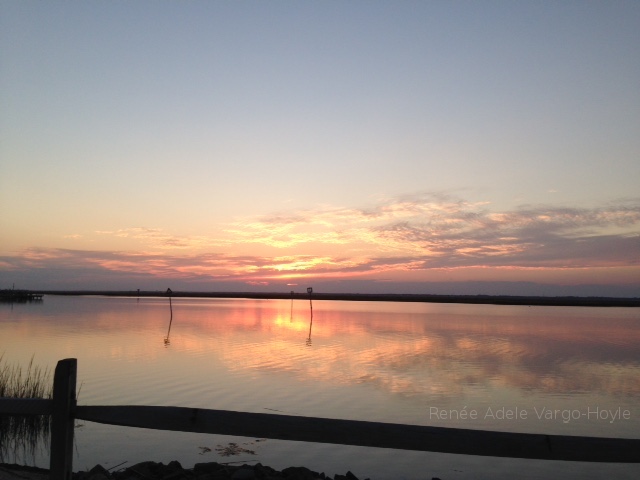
column 174, row 471
column 206, row 471
column 371, row 297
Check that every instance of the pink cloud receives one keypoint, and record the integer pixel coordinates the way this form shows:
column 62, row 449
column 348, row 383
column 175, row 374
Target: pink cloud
column 426, row 232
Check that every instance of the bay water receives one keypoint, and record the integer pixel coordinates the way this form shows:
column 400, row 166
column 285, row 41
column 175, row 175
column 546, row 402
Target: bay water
column 553, row 370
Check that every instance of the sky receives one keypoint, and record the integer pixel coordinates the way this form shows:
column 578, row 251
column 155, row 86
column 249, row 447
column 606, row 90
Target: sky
column 469, row 147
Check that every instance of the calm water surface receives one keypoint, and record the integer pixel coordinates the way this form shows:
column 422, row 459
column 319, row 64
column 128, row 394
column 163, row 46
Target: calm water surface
column 556, row 370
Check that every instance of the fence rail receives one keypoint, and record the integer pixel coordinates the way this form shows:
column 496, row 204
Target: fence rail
column 305, row 429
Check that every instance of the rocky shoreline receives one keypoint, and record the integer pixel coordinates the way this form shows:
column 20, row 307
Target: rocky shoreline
column 175, row 471
column 206, row 471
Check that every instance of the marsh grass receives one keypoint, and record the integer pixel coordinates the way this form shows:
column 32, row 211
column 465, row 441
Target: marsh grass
column 22, row 435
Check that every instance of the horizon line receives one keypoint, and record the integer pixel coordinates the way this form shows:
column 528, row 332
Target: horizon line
column 582, row 301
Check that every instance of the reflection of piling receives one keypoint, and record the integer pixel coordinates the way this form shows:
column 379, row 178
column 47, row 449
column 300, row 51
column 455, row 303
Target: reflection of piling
column 291, row 310
column 310, row 291
column 310, row 325
column 166, row 340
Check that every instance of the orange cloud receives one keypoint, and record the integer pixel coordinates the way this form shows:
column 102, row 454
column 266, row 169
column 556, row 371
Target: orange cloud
column 413, row 238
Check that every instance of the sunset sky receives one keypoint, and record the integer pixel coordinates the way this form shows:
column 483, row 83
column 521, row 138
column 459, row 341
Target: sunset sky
column 356, row 146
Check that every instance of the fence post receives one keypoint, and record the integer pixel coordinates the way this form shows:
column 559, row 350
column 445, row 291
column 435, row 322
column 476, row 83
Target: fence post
column 62, row 420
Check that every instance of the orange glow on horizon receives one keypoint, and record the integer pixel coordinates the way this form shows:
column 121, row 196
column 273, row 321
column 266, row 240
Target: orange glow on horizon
column 429, row 238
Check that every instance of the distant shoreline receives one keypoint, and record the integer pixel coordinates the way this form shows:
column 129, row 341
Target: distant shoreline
column 370, row 297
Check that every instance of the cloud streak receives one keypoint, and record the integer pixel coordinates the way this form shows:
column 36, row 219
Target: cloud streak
column 441, row 232
column 402, row 236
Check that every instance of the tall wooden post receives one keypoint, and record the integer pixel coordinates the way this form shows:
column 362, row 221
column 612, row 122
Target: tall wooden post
column 62, row 420
column 310, row 291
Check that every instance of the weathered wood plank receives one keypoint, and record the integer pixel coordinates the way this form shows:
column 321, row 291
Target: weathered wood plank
column 368, row 434
column 25, row 406
column 62, row 422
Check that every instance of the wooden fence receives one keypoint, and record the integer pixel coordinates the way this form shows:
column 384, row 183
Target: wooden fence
column 64, row 411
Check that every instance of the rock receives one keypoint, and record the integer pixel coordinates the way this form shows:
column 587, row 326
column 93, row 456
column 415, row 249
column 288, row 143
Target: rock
column 266, row 473
column 143, row 469
column 299, row 473
column 173, row 471
column 98, row 473
column 219, row 475
column 243, row 473
column 98, row 476
column 347, row 476
column 177, row 475
column 99, row 469
column 210, row 467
